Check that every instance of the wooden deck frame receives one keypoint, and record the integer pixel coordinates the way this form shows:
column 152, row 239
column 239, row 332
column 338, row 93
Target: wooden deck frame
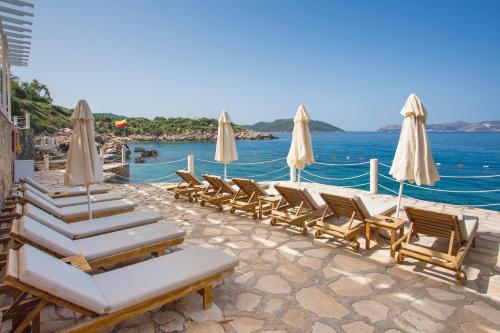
column 247, row 197
column 62, row 194
column 295, row 208
column 341, row 206
column 439, row 225
column 217, row 193
column 98, row 322
column 156, row 249
column 189, row 186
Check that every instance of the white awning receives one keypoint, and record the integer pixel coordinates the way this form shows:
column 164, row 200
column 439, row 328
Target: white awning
column 15, row 34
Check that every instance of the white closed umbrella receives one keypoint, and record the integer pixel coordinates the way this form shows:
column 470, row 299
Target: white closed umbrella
column 413, row 159
column 83, row 165
column 225, row 151
column 301, row 151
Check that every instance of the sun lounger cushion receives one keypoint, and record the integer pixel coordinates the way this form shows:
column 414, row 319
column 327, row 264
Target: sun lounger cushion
column 97, row 246
column 72, row 201
column 70, row 190
column 75, row 211
column 161, row 275
column 466, row 225
column 370, row 207
column 57, row 278
column 127, row 239
column 120, row 288
column 309, row 197
column 94, row 227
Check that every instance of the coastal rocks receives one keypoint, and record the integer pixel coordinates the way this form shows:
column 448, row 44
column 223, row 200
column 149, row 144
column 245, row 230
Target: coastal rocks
column 149, row 153
column 139, row 149
column 139, row 160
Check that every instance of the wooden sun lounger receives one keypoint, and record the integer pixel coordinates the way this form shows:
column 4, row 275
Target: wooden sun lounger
column 247, row 197
column 101, row 250
column 461, row 234
column 64, row 191
column 189, row 186
column 80, row 212
column 296, row 207
column 217, row 193
column 344, row 218
column 99, row 297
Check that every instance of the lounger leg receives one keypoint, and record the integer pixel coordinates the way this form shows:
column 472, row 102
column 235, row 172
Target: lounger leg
column 30, row 317
column 16, row 302
column 35, row 325
column 207, row 297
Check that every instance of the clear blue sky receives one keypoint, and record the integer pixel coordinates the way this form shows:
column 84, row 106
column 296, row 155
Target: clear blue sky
column 351, row 63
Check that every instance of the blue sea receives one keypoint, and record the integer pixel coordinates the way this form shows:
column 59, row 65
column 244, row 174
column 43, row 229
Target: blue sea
column 456, row 154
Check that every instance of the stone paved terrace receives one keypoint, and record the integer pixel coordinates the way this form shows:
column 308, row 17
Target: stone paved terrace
column 287, row 282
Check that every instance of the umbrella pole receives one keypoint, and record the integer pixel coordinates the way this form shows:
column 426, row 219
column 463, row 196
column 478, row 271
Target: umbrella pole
column 88, row 202
column 225, row 171
column 299, row 177
column 400, row 195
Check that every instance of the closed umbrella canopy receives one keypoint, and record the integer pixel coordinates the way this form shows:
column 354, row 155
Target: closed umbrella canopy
column 413, row 159
column 225, row 151
column 301, row 151
column 83, row 165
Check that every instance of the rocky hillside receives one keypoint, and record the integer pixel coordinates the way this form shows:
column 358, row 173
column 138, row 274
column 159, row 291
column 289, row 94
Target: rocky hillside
column 458, row 126
column 286, row 125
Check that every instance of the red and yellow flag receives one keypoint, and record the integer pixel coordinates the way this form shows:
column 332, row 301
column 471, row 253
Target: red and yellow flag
column 121, row 123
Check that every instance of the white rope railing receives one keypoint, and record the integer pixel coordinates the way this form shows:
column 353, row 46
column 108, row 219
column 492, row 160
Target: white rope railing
column 261, row 162
column 358, row 185
column 471, row 177
column 279, row 178
column 440, row 190
column 268, row 173
column 331, row 178
column 160, row 163
column 342, row 164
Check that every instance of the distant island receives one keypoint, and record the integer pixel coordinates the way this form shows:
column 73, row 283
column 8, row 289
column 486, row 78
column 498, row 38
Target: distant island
column 286, row 125
column 457, row 126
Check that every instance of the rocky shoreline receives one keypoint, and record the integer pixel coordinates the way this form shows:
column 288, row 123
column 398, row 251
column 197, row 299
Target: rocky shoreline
column 112, row 144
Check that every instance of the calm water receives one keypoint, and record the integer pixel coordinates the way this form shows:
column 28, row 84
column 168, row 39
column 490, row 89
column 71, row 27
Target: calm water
column 458, row 154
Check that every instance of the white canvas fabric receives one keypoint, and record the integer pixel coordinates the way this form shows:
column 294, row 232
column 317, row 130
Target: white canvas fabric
column 371, row 207
column 94, row 227
column 83, row 166
column 57, row 278
column 65, row 189
column 44, row 236
column 413, row 159
column 74, row 211
column 161, row 275
column 127, row 239
column 72, row 201
column 225, row 151
column 96, row 246
column 466, row 225
column 301, row 151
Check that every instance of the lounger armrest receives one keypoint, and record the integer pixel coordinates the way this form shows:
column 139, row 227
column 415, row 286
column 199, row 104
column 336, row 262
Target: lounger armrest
column 79, row 262
column 397, row 243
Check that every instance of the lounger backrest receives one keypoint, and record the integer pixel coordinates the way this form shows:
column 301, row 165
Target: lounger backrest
column 434, row 224
column 45, row 218
column 343, row 206
column 34, row 183
column 45, row 237
column 52, row 276
column 28, row 187
column 188, row 177
column 40, row 202
column 297, row 197
column 249, row 187
column 219, row 184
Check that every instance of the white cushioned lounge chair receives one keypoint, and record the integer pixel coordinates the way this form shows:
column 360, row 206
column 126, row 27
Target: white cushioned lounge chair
column 111, row 297
column 100, row 250
column 72, row 201
column 80, row 212
column 64, row 191
column 86, row 228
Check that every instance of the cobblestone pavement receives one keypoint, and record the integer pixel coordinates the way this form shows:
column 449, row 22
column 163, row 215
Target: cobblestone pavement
column 287, row 282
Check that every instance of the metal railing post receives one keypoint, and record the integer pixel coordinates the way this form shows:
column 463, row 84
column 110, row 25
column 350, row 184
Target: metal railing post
column 293, row 174
column 190, row 164
column 124, row 155
column 373, row 176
